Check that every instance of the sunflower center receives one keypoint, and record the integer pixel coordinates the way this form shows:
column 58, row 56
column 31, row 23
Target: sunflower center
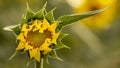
column 94, row 8
column 36, row 39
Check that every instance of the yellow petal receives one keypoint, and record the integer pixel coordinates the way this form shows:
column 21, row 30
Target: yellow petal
column 45, row 47
column 35, row 29
column 37, row 25
column 37, row 56
column 41, row 30
column 32, row 53
column 28, row 47
column 24, row 27
column 44, row 26
column 55, row 36
column 31, row 27
column 48, row 41
column 52, row 27
column 46, row 23
column 25, row 33
column 21, row 37
column 46, row 50
column 21, row 45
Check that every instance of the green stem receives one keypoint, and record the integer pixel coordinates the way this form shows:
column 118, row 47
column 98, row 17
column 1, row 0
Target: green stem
column 39, row 64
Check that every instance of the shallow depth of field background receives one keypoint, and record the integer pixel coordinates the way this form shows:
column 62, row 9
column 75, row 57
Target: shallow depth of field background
column 90, row 48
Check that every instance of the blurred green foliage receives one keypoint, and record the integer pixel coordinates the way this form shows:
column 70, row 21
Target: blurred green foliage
column 89, row 49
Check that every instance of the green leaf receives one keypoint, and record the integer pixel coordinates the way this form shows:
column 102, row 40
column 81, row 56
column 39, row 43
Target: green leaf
column 49, row 16
column 69, row 19
column 15, row 54
column 29, row 14
column 15, row 28
column 53, row 54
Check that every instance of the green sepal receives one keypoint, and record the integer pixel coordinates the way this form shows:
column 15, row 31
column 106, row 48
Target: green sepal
column 29, row 61
column 69, row 19
column 60, row 45
column 46, row 59
column 53, row 54
column 59, row 42
column 44, row 6
column 17, row 52
column 15, row 28
column 23, row 21
column 40, row 14
column 62, row 35
column 50, row 17
column 29, row 14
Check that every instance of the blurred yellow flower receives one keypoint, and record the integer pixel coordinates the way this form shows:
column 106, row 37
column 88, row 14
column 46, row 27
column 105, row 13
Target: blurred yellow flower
column 99, row 21
column 31, row 1
column 37, row 38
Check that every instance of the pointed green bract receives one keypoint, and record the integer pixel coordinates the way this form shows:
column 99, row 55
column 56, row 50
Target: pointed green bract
column 29, row 61
column 44, row 6
column 15, row 54
column 62, row 35
column 49, row 16
column 60, row 45
column 59, row 42
column 46, row 59
column 40, row 14
column 14, row 28
column 53, row 54
column 23, row 21
column 29, row 14
column 69, row 19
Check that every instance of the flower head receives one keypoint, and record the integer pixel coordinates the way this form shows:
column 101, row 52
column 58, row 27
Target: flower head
column 37, row 37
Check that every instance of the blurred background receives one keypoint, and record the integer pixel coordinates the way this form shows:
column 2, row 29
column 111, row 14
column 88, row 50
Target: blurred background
column 94, row 41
